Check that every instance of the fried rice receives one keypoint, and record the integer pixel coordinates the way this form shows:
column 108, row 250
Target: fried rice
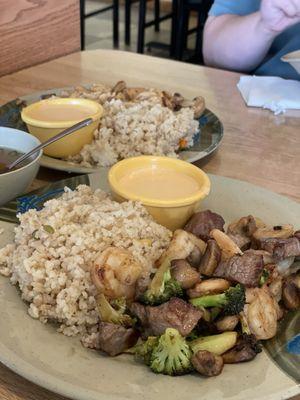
column 55, row 248
column 141, row 125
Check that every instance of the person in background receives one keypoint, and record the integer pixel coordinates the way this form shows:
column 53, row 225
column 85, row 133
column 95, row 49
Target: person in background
column 252, row 35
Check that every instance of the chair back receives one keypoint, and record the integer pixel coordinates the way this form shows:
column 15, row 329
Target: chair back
column 32, row 32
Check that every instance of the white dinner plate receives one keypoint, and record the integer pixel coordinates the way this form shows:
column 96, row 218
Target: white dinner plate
column 60, row 364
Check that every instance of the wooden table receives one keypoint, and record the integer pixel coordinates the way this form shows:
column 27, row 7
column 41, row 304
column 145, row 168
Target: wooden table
column 258, row 147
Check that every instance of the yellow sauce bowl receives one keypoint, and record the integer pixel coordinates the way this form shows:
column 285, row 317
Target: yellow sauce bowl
column 173, row 214
column 44, row 129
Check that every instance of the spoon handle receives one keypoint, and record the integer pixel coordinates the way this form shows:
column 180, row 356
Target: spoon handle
column 60, row 135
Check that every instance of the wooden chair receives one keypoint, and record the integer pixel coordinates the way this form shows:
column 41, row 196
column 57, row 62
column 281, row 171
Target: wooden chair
column 34, row 32
column 143, row 25
column 142, row 18
column 115, row 11
column 185, row 7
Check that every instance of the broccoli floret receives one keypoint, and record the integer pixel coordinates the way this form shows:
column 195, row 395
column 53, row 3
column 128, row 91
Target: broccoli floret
column 168, row 354
column 169, row 288
column 193, row 335
column 231, row 302
column 162, row 287
column 214, row 313
column 109, row 314
column 247, row 337
column 143, row 351
column 119, row 304
column 171, row 355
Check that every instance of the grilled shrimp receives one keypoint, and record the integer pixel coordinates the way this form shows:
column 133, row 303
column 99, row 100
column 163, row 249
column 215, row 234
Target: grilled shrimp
column 262, row 313
column 115, row 272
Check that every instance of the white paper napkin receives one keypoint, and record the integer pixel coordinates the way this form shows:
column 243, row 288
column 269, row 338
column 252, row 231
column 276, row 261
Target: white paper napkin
column 273, row 93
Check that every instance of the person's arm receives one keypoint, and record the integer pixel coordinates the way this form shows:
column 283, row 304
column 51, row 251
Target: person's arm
column 241, row 42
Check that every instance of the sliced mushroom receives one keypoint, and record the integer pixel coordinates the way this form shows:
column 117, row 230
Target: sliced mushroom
column 132, row 93
column 246, row 349
column 195, row 257
column 198, row 243
column 210, row 259
column 166, row 100
column 291, row 292
column 227, row 245
column 207, row 363
column 174, row 102
column 209, row 286
column 198, row 106
column 259, row 223
column 241, row 231
column 227, row 323
column 177, row 101
column 119, row 87
column 184, row 273
column 277, row 231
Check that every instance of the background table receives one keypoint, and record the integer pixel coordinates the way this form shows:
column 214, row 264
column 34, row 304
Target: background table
column 258, row 147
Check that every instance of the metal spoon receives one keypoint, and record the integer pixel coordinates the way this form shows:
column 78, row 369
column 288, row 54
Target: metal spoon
column 60, row 135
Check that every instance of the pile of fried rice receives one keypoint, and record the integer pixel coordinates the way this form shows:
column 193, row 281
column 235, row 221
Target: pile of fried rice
column 136, row 121
column 55, row 248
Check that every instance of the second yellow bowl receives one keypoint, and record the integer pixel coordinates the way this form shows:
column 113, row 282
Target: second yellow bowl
column 43, row 121
column 171, row 213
